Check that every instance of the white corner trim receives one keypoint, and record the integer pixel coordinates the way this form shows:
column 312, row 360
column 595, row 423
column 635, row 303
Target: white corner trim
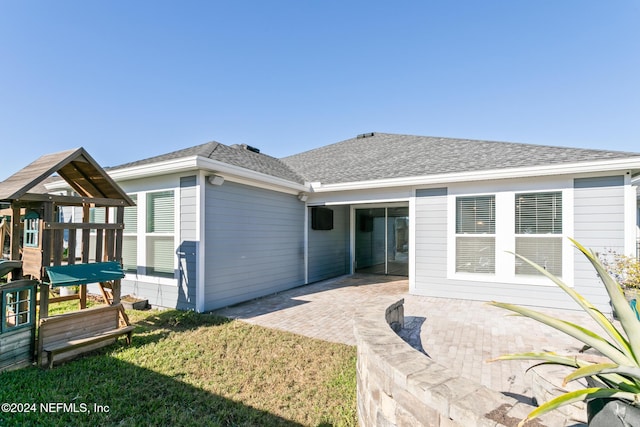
column 201, row 238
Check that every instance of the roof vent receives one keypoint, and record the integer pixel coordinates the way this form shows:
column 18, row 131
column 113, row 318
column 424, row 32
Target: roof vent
column 366, row 135
column 246, row 147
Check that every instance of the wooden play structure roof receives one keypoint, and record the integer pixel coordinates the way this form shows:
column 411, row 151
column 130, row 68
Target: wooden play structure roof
column 76, row 167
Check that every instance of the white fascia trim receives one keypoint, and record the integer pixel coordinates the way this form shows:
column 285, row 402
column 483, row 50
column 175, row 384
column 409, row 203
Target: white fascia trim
column 524, row 172
column 247, row 176
column 230, row 172
column 154, row 169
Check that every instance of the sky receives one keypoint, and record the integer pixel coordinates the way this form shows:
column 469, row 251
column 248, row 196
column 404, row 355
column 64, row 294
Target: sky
column 128, row 80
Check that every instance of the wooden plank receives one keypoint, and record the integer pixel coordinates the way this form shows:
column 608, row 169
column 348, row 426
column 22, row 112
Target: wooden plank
column 116, row 291
column 15, row 232
column 9, row 353
column 86, row 234
column 71, row 200
column 44, row 301
column 99, row 243
column 32, row 262
column 119, row 234
column 83, row 297
column 82, row 226
column 107, row 296
column 79, row 314
column 71, row 248
column 47, row 238
column 109, row 245
column 86, row 245
column 89, row 318
column 92, row 328
column 79, row 342
column 16, row 339
column 58, row 245
column 14, row 356
column 72, row 354
column 63, row 298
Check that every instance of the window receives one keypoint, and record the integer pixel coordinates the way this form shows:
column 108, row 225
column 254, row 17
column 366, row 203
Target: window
column 17, row 308
column 539, row 231
column 31, row 229
column 160, row 234
column 130, row 237
column 475, row 234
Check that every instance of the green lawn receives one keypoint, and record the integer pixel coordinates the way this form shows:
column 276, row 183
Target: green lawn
column 185, row 368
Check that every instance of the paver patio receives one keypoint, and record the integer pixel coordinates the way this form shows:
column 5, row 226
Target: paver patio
column 460, row 334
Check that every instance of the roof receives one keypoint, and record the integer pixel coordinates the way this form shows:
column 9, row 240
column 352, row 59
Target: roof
column 238, row 155
column 381, row 156
column 76, row 167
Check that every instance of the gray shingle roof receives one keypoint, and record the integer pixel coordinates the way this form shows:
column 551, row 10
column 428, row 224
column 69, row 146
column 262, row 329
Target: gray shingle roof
column 396, row 156
column 237, row 155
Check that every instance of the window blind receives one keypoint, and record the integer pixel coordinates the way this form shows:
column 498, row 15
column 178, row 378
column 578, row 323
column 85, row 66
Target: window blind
column 160, row 255
column 475, row 254
column 97, row 215
column 539, row 213
column 130, row 253
column 476, row 215
column 131, row 217
column 160, row 212
column 544, row 251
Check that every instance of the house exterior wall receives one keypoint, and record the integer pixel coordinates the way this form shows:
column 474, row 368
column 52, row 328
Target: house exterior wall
column 254, row 239
column 254, row 243
column 328, row 250
column 593, row 213
column 599, row 225
column 177, row 291
column 430, row 225
column 435, row 253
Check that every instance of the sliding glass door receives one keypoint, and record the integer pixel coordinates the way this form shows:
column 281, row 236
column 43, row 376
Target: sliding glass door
column 382, row 241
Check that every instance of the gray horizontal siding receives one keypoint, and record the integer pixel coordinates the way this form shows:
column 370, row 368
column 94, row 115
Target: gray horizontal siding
column 530, row 295
column 430, row 224
column 158, row 295
column 254, row 243
column 329, row 249
column 181, row 294
column 598, row 225
column 431, row 242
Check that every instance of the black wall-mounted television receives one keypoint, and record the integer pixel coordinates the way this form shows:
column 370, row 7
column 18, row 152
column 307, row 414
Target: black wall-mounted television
column 321, row 218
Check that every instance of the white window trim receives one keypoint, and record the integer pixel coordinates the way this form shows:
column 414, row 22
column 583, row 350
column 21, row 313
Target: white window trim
column 142, row 234
column 505, row 239
column 494, row 235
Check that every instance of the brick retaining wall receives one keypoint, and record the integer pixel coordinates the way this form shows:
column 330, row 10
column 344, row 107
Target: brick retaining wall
column 399, row 386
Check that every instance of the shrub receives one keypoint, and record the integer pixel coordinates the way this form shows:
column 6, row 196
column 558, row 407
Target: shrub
column 624, row 268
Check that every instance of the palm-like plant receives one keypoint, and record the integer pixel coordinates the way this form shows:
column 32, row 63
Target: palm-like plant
column 618, row 379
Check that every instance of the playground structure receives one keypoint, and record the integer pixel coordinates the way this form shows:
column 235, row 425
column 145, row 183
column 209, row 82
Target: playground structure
column 43, row 251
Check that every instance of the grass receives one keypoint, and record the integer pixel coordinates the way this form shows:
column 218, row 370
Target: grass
column 185, row 368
